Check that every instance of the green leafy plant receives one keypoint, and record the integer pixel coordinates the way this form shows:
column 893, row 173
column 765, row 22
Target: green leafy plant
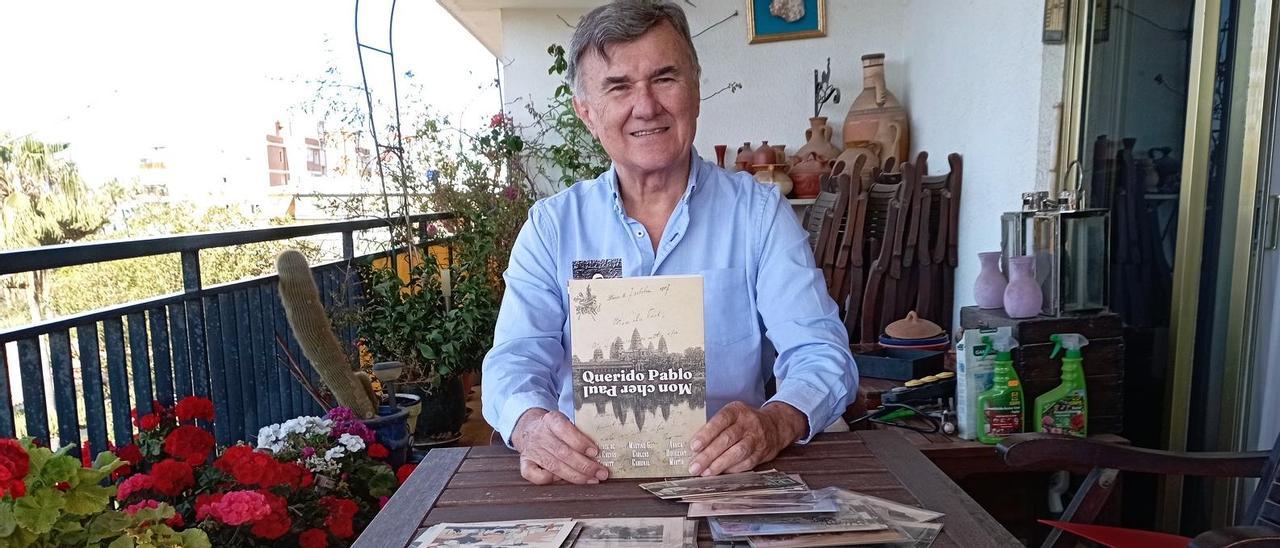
column 437, row 335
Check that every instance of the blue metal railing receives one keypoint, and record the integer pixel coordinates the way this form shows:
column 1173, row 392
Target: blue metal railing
column 218, row 342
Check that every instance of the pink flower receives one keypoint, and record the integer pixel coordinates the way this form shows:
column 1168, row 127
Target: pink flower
column 134, row 484
column 308, row 452
column 239, row 507
column 145, row 504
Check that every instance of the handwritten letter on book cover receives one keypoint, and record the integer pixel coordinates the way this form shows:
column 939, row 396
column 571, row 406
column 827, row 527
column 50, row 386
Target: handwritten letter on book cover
column 639, row 371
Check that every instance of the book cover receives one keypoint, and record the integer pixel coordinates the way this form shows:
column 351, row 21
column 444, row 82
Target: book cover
column 639, row 371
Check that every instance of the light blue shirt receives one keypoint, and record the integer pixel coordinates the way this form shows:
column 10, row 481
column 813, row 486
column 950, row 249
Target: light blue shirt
column 759, row 280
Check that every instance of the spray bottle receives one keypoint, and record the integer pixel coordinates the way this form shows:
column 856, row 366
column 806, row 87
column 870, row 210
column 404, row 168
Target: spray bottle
column 1000, row 408
column 1065, row 409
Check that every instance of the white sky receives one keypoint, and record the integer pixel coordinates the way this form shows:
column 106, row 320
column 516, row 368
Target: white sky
column 115, row 79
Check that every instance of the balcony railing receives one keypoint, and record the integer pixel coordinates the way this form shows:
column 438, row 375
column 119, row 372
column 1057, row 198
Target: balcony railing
column 218, row 342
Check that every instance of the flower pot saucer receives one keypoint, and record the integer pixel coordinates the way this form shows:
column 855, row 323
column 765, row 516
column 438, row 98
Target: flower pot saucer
column 443, row 439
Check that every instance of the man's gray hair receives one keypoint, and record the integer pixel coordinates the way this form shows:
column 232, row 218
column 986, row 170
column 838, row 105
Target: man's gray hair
column 623, row 21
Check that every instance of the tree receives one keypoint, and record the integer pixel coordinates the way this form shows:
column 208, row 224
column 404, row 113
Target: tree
column 93, row 286
column 43, row 201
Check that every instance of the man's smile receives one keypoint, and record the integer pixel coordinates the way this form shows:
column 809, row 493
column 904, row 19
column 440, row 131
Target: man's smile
column 647, row 132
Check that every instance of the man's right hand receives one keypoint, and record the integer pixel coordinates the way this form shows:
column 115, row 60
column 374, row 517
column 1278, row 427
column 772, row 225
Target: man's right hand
column 552, row 448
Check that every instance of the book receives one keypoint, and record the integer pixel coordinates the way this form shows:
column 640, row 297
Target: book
column 639, row 371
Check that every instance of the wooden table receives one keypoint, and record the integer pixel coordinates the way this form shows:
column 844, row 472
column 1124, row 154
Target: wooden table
column 484, row 484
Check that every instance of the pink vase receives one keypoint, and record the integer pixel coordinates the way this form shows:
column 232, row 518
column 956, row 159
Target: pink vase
column 1022, row 297
column 988, row 289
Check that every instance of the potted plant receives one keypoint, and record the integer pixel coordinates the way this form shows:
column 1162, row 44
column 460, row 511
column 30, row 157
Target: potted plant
column 438, row 322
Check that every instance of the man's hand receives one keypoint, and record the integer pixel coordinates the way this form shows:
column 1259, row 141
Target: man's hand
column 552, row 448
column 739, row 437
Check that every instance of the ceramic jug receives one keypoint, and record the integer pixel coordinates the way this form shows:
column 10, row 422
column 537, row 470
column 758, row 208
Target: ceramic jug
column 773, row 174
column 876, row 115
column 1022, row 297
column 988, row 289
column 807, row 176
column 817, row 139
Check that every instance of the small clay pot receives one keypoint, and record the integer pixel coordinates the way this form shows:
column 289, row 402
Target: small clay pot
column 807, row 176
column 764, row 155
column 913, row 327
column 744, row 154
column 720, row 150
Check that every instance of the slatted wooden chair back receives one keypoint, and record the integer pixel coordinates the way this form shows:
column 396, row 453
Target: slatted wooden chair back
column 840, row 285
column 834, row 225
column 929, row 257
column 816, row 214
column 888, row 204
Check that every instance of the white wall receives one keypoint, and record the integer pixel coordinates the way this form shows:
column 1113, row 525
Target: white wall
column 973, row 75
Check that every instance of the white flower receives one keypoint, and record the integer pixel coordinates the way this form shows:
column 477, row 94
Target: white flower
column 351, row 442
column 270, row 438
column 335, row 453
column 319, row 465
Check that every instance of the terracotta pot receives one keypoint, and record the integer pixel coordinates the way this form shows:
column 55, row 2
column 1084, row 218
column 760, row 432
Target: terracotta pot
column 773, row 174
column 744, row 154
column 807, row 176
column 764, row 155
column 876, row 115
column 1022, row 297
column 818, row 140
column 720, row 150
column 988, row 289
column 780, row 154
column 862, row 148
column 913, row 327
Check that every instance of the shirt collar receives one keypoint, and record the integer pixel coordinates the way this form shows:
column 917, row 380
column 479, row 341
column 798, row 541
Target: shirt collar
column 696, row 169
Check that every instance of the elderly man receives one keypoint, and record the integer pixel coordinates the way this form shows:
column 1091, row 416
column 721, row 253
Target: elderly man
column 662, row 210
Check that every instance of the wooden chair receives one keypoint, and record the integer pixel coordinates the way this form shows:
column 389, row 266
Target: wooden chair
column 1259, row 526
column 888, row 200
column 930, row 258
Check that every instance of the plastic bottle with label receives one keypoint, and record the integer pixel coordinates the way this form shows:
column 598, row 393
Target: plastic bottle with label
column 1065, row 409
column 1000, row 408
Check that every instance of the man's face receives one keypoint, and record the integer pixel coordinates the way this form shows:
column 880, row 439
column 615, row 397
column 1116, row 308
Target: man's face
column 642, row 103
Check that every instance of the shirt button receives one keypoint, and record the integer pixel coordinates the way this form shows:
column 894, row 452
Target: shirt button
column 639, row 234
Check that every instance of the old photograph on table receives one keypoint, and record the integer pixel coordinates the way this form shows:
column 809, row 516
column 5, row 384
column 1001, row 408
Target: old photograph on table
column 631, row 533
column 852, row 516
column 495, row 534
column 856, row 538
column 719, row 508
column 771, row 480
column 889, row 509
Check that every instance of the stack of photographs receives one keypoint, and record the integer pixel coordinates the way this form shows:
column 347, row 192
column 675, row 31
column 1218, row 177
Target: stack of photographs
column 769, row 482
column 858, row 520
column 564, row 533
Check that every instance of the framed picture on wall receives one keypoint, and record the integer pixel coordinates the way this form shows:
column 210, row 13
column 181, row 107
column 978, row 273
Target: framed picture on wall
column 774, row 20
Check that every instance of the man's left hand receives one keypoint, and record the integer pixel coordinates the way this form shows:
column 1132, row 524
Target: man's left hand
column 740, row 437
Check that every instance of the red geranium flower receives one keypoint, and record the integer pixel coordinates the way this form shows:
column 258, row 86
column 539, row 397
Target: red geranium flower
column 403, row 472
column 149, row 422
column 190, row 444
column 379, row 451
column 172, row 477
column 129, row 453
column 14, row 464
column 339, row 519
column 194, row 407
column 275, row 524
column 313, row 538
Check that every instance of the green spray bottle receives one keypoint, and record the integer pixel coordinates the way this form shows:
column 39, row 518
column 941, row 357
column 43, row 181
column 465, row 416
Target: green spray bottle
column 1065, row 409
column 1000, row 408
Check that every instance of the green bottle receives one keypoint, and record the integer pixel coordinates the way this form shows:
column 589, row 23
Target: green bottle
column 1065, row 409
column 1000, row 408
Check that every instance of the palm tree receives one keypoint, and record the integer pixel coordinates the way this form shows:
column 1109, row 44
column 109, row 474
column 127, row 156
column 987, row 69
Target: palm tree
column 43, row 201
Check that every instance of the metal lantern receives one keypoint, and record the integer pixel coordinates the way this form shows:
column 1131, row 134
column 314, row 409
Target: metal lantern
column 1071, row 247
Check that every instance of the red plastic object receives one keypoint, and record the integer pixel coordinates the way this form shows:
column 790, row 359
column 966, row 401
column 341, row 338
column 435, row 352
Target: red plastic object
column 1119, row 537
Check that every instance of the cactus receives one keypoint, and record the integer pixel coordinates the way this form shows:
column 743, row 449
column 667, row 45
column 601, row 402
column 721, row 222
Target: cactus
column 367, row 383
column 314, row 333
